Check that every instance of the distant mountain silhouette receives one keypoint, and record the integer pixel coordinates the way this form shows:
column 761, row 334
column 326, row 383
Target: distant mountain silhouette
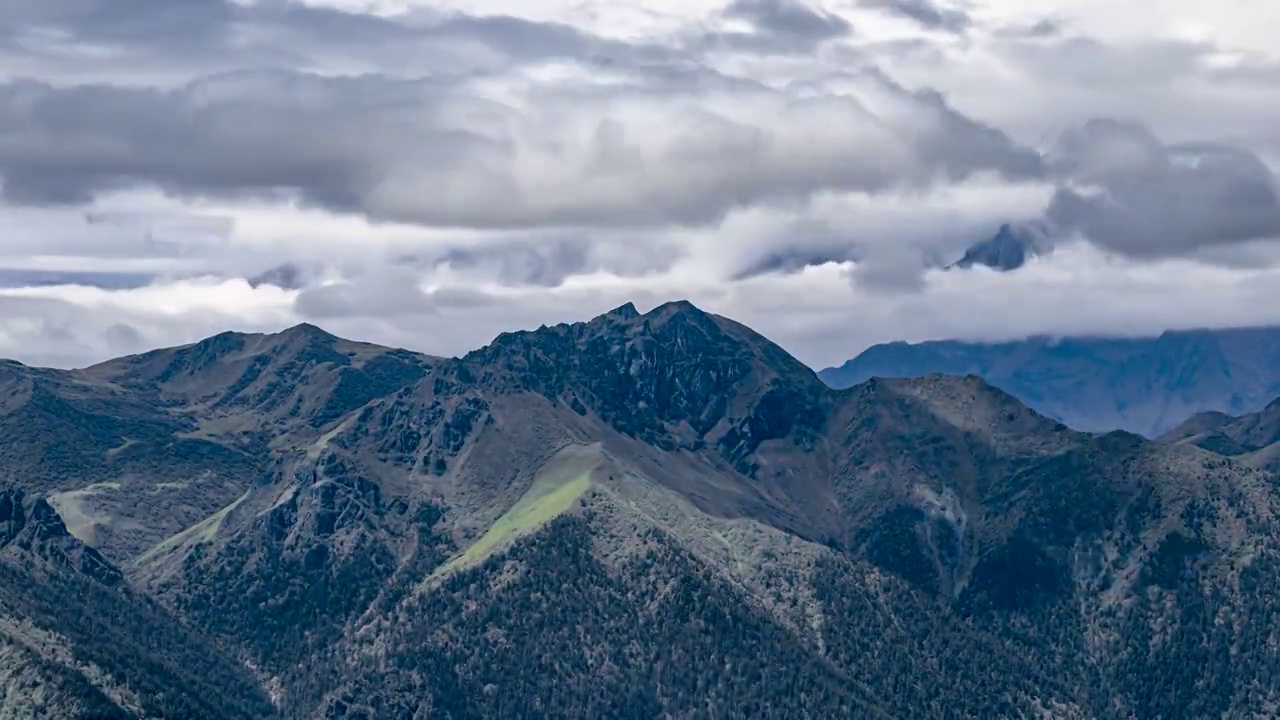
column 1143, row 385
column 1010, row 248
column 1253, row 438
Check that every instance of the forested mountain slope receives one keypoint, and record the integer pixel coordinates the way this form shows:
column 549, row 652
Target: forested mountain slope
column 657, row 515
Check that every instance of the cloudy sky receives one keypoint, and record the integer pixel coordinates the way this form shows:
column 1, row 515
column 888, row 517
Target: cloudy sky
column 429, row 174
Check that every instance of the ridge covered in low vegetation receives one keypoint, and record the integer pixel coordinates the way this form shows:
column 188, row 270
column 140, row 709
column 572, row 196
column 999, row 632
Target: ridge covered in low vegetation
column 640, row 516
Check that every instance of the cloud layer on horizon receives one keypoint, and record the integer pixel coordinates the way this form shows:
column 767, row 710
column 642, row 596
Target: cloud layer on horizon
column 430, row 175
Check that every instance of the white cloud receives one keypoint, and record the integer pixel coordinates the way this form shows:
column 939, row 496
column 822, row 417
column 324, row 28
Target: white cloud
column 820, row 313
column 439, row 173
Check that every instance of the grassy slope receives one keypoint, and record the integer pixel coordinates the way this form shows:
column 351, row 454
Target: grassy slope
column 202, row 532
column 554, row 490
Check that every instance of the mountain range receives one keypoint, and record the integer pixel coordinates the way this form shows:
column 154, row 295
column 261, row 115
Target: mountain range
column 1142, row 385
column 639, row 516
column 1253, row 439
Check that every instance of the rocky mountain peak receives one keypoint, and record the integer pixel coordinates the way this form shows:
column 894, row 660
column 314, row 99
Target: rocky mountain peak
column 306, row 332
column 676, row 376
column 623, row 312
column 1009, row 249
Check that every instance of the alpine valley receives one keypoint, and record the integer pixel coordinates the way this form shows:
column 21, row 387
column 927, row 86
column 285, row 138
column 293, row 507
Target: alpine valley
column 658, row 515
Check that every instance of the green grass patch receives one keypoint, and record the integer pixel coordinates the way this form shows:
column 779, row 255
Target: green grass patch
column 128, row 443
column 322, row 443
column 550, row 495
column 202, row 532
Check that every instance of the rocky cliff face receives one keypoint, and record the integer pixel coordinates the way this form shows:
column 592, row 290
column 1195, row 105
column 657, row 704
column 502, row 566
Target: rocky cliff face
column 76, row 642
column 33, row 527
column 476, row 537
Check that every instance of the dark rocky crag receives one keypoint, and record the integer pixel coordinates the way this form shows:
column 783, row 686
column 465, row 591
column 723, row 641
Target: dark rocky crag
column 654, row 515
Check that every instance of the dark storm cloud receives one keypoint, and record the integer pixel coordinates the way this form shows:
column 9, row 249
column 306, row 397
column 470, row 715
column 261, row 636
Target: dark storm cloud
column 924, row 12
column 432, row 152
column 1136, row 195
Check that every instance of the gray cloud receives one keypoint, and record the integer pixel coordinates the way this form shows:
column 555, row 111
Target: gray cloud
column 155, row 38
column 434, row 152
column 1043, row 28
column 537, row 259
column 782, row 24
column 387, row 291
column 177, row 24
column 924, row 12
column 289, row 276
column 1136, row 195
column 551, row 172
column 1184, row 90
column 789, row 260
column 20, row 278
column 45, row 331
column 892, row 269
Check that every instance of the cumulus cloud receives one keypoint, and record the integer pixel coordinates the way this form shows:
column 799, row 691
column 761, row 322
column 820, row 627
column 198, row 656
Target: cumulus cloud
column 429, row 175
column 1139, row 196
column 584, row 151
column 156, row 41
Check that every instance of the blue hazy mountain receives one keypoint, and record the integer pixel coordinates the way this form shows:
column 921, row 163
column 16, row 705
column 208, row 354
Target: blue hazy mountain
column 1143, row 385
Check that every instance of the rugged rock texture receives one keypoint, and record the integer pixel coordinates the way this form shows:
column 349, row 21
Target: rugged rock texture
column 1143, row 385
column 76, row 642
column 665, row 515
column 137, row 449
